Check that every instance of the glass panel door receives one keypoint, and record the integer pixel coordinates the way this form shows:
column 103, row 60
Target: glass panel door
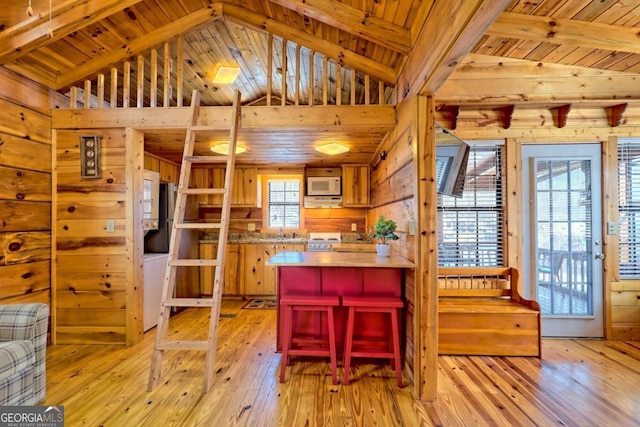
column 564, row 238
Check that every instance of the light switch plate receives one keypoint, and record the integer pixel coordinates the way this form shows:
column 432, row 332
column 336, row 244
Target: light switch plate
column 111, row 226
column 251, row 226
column 354, row 227
column 612, row 228
column 412, row 228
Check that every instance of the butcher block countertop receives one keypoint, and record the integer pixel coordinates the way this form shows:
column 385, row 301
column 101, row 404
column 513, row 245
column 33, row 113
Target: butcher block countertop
column 338, row 259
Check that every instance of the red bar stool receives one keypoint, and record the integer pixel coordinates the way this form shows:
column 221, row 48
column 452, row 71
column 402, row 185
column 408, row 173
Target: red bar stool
column 390, row 350
column 308, row 346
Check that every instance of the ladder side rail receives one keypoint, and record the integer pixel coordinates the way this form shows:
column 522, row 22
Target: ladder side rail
column 169, row 284
column 218, row 283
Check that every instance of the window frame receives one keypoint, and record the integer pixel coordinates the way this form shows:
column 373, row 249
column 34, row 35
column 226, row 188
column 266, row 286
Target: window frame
column 626, row 270
column 265, row 201
column 499, row 208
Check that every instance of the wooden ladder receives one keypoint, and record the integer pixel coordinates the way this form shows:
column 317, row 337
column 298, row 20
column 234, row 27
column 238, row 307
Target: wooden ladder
column 168, row 301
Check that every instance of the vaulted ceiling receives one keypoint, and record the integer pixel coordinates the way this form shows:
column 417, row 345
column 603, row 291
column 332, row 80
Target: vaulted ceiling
column 492, row 55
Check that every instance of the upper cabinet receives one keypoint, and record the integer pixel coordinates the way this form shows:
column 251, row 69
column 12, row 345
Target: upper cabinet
column 245, row 185
column 169, row 172
column 355, row 186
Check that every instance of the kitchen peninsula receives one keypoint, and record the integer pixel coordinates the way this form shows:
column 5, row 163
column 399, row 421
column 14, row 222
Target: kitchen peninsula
column 338, row 273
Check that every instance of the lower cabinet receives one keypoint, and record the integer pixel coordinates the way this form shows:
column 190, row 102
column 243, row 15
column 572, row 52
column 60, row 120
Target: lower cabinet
column 245, row 271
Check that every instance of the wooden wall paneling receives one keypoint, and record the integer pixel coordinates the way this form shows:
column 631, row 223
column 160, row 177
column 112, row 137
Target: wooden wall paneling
column 25, row 278
column 25, row 216
column 625, row 310
column 513, row 208
column 22, row 122
column 25, row 247
column 25, row 153
column 134, row 245
column 99, row 312
column 426, row 308
column 610, row 202
column 335, row 220
column 151, row 162
column 20, row 184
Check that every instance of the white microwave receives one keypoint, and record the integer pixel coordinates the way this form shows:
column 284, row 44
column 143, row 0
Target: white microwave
column 324, row 186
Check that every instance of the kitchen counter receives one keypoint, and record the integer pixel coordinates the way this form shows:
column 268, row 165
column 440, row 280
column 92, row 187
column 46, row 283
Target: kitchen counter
column 258, row 240
column 338, row 274
column 338, row 259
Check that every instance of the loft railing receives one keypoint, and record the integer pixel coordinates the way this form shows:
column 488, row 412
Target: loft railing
column 156, row 79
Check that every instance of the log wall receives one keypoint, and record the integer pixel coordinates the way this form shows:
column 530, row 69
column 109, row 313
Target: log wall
column 25, row 188
column 393, row 194
column 98, row 278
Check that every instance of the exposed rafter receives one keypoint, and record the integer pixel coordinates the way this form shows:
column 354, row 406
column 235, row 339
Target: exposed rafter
column 337, row 52
column 140, row 44
column 66, row 18
column 449, row 33
column 353, row 21
column 567, row 32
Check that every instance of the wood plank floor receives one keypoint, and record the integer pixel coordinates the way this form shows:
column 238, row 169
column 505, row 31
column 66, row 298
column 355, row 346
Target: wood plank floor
column 576, row 383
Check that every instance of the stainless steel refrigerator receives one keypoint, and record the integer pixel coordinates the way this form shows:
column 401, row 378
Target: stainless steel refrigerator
column 157, row 241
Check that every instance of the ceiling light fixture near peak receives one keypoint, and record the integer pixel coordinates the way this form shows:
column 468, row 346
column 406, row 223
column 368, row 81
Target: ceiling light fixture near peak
column 224, row 148
column 332, row 148
column 226, row 75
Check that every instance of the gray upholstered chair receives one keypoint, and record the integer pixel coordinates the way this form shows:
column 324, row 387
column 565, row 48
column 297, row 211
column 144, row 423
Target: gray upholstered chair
column 23, row 353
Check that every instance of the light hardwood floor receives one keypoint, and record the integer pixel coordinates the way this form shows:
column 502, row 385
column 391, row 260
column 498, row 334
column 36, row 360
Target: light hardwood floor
column 576, row 383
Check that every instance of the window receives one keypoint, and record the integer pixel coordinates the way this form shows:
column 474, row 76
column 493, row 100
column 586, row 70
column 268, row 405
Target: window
column 629, row 207
column 283, row 202
column 470, row 227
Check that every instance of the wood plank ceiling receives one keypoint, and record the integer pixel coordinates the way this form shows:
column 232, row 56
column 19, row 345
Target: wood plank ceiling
column 545, row 54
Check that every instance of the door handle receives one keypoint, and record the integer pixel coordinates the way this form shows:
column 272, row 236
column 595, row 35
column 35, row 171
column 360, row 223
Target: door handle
column 599, row 256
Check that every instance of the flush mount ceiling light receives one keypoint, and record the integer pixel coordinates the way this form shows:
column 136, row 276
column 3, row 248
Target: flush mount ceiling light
column 224, row 148
column 332, row 148
column 226, row 75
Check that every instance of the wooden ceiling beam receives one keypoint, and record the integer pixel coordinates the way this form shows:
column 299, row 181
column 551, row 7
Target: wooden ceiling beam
column 353, row 21
column 159, row 35
column 67, row 17
column 261, row 119
column 486, row 80
column 448, row 34
column 333, row 51
column 566, row 32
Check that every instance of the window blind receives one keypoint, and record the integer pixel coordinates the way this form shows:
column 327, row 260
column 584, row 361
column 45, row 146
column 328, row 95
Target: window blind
column 283, row 203
column 629, row 207
column 470, row 228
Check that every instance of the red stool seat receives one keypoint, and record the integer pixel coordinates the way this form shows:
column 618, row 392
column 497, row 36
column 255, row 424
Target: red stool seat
column 373, row 304
column 292, row 303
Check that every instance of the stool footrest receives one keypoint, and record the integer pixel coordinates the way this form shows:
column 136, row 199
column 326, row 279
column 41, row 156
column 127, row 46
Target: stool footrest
column 377, row 302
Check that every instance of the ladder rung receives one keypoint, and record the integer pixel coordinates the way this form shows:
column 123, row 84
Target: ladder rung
column 204, row 128
column 183, row 345
column 191, row 225
column 195, row 262
column 189, row 302
column 203, row 191
column 207, row 159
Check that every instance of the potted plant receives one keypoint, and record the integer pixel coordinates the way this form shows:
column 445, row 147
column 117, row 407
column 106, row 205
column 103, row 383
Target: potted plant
column 384, row 230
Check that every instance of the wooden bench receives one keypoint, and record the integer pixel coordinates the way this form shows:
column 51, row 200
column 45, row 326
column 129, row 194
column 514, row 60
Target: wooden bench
column 481, row 312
